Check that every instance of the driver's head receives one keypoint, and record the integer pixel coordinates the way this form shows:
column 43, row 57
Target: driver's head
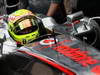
column 23, row 26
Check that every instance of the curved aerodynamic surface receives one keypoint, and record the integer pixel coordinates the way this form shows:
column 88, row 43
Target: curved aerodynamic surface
column 66, row 54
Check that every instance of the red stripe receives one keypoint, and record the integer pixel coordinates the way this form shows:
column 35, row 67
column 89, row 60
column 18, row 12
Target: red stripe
column 66, row 71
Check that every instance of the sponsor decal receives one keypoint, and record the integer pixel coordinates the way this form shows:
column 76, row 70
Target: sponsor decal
column 73, row 53
column 48, row 41
column 76, row 55
column 96, row 70
column 15, row 16
column 51, row 45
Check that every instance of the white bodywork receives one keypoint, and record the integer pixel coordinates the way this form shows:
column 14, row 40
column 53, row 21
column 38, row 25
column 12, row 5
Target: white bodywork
column 8, row 44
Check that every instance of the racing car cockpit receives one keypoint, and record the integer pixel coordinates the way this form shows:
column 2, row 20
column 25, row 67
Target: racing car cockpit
column 50, row 55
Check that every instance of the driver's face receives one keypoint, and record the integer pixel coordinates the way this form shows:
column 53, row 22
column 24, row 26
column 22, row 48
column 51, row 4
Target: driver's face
column 25, row 24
